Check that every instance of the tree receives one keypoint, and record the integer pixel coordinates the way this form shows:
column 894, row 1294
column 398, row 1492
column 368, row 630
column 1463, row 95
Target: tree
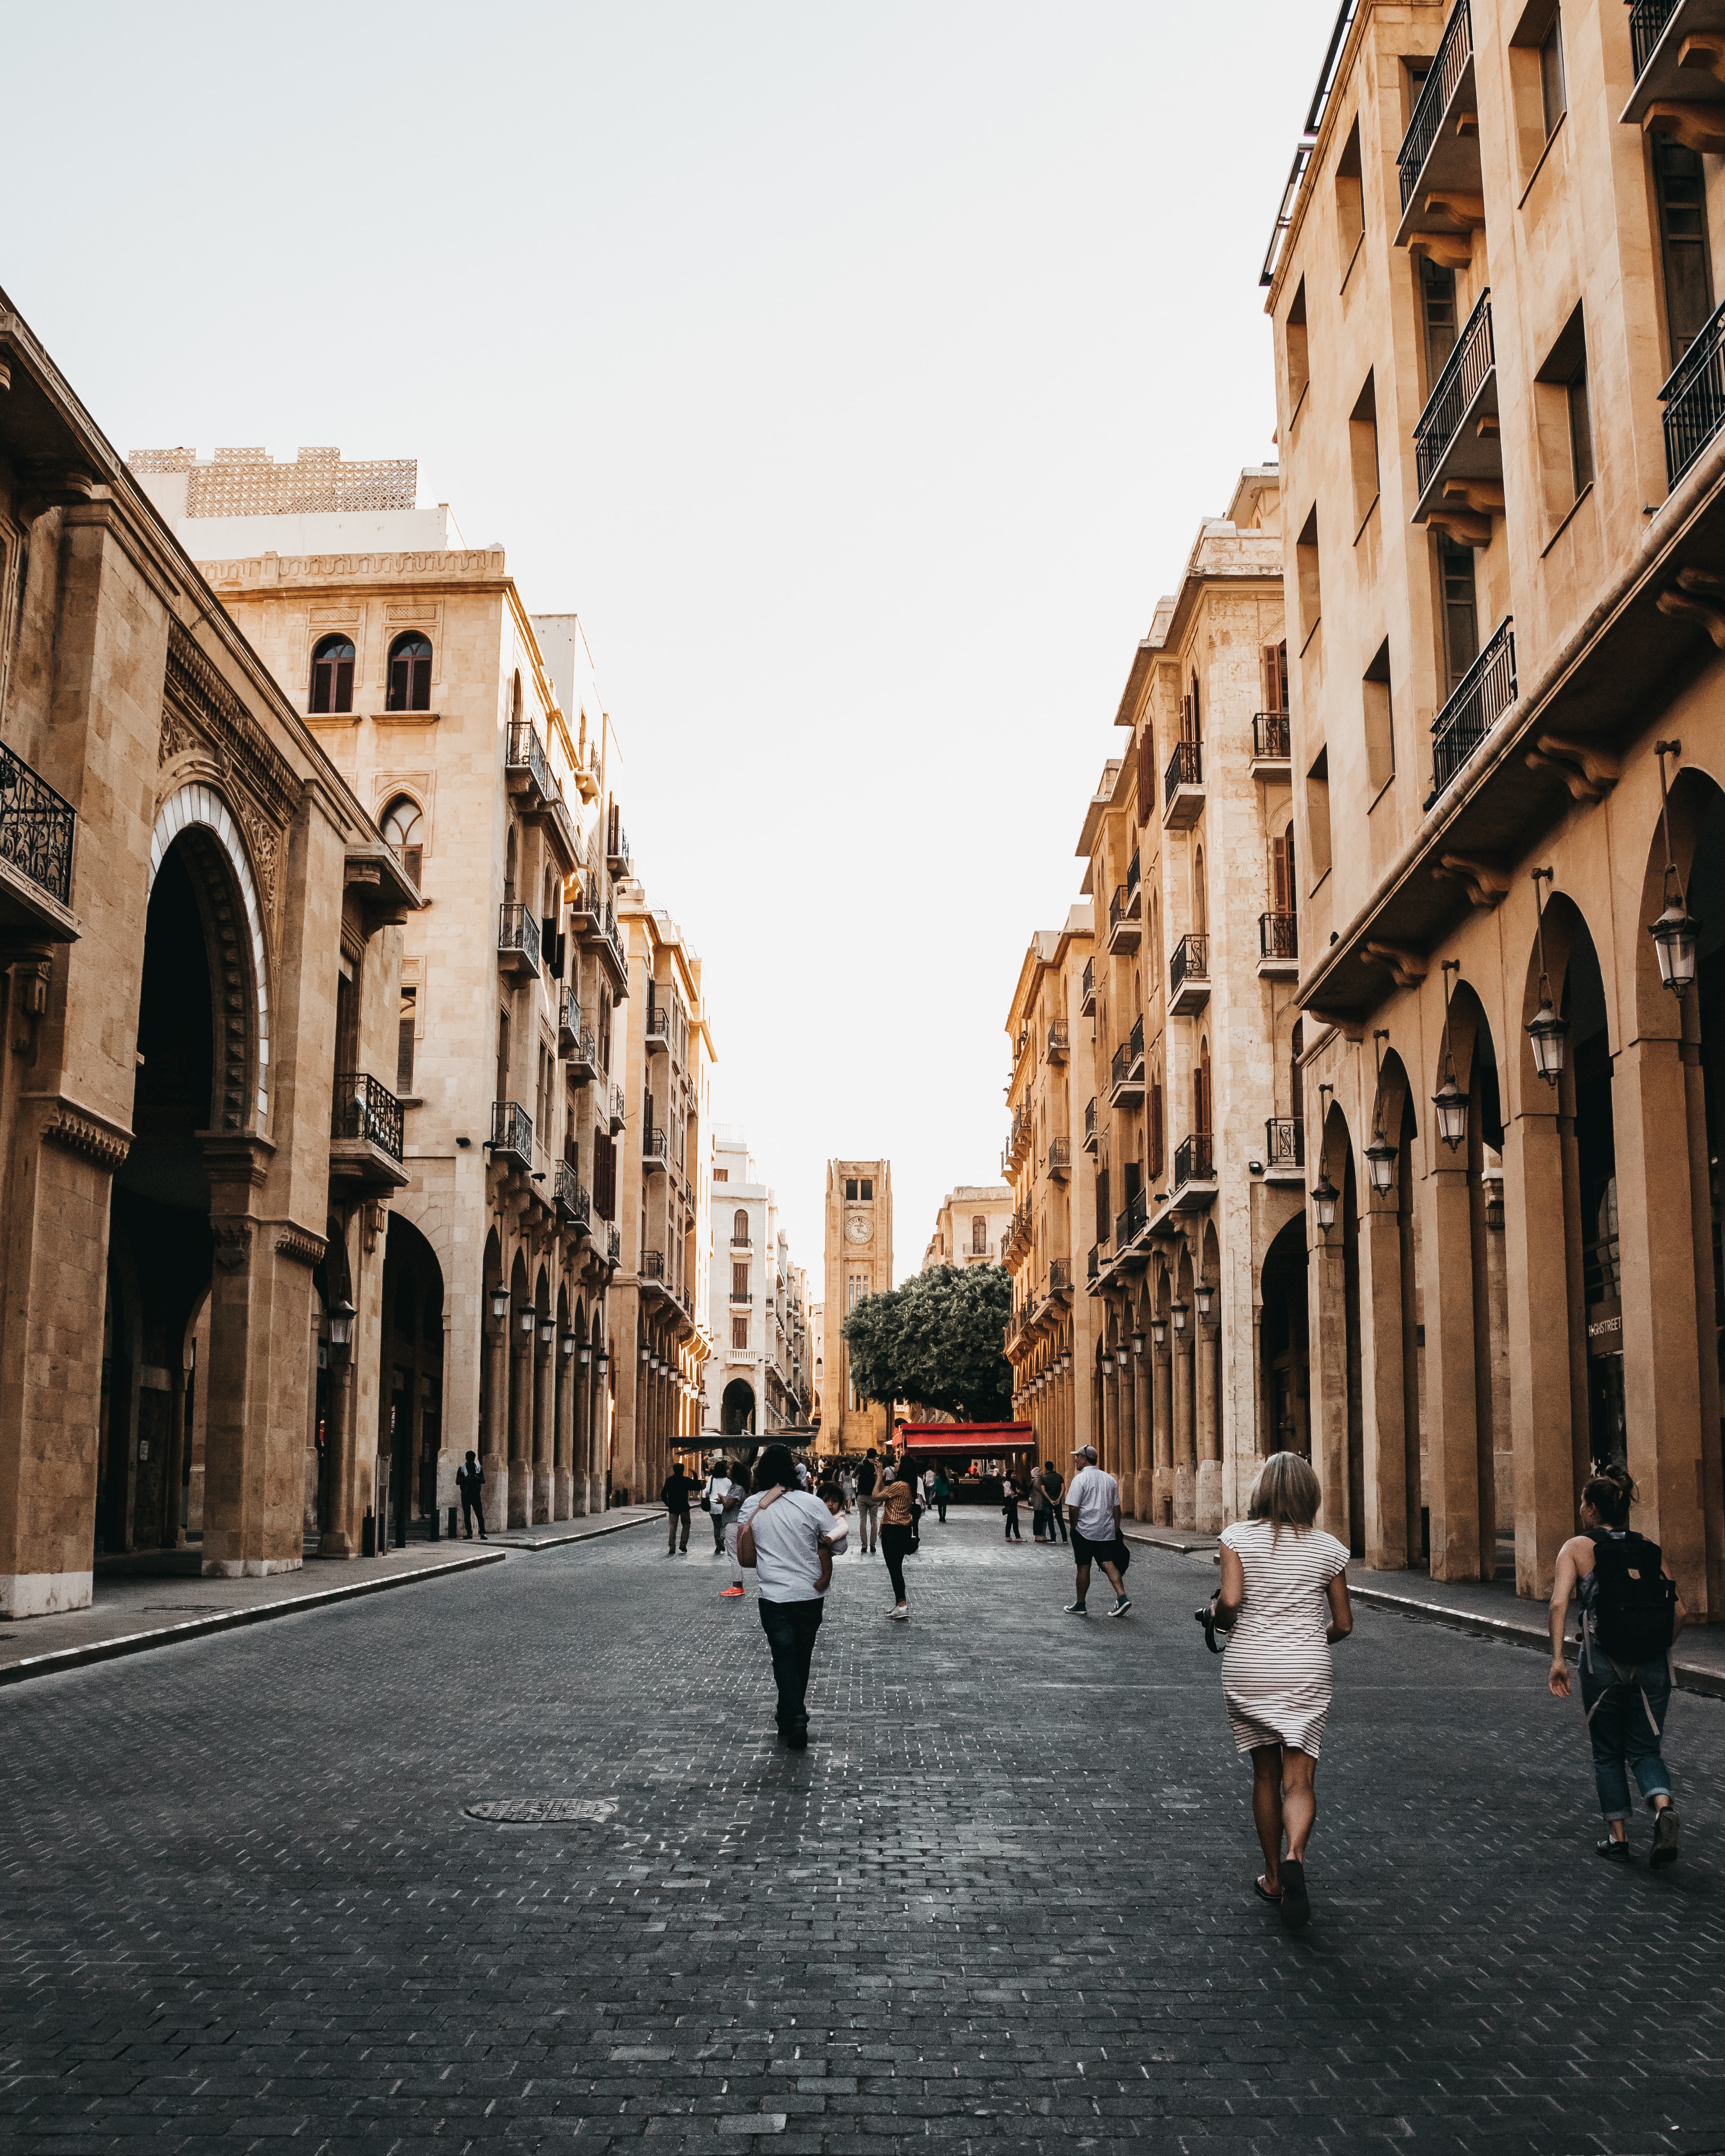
column 937, row 1340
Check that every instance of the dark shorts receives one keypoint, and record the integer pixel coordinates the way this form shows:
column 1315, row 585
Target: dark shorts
column 1084, row 1550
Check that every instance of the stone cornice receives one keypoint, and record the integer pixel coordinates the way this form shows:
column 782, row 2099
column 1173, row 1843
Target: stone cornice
column 302, row 1243
column 82, row 1131
column 481, row 567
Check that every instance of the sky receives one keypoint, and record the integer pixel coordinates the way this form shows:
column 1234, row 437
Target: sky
column 860, row 374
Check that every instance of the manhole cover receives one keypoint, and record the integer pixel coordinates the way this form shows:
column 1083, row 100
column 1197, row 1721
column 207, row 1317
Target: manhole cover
column 542, row 1811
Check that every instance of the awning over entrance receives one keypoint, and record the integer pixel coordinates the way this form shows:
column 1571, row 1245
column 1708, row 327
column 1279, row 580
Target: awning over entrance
column 988, row 1439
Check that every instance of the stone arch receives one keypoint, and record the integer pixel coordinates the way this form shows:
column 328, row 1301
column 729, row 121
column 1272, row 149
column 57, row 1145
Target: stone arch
column 221, row 870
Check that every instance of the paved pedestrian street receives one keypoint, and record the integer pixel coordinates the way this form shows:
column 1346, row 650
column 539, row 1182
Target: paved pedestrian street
column 1003, row 1902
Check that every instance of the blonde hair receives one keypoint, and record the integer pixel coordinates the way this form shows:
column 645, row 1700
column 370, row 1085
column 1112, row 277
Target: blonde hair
column 1286, row 1493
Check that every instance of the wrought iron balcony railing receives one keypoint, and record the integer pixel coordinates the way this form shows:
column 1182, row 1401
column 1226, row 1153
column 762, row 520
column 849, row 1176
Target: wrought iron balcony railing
column 1058, row 1042
column 518, row 933
column 364, row 1109
column 1087, row 995
column 652, row 1264
column 1194, row 1159
column 1185, row 768
column 1131, row 1222
column 511, row 1131
column 1094, row 1266
column 613, row 1244
column 1059, row 1277
column 526, row 754
column 1135, row 1044
column 655, row 1146
column 1647, row 24
column 1271, row 742
column 574, row 1203
column 1191, row 962
column 1131, row 872
column 1484, row 694
column 1060, row 1156
column 1453, row 52
column 1278, row 935
column 1285, row 1142
column 36, row 827
column 658, row 1034
column 1466, row 367
column 1694, row 398
column 1090, row 1122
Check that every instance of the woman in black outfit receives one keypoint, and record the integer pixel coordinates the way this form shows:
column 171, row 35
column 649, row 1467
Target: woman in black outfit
column 1009, row 1506
column 898, row 1534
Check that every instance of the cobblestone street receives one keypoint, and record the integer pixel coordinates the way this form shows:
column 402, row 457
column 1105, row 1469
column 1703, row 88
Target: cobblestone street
column 1002, row 1902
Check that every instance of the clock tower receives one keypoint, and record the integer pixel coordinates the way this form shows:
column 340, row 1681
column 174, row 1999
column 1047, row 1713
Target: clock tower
column 859, row 1263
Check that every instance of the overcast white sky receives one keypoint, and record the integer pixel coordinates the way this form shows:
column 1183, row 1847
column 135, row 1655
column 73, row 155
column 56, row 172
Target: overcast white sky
column 860, row 374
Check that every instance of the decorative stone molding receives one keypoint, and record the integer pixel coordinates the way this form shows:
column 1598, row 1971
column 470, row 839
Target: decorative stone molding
column 302, row 1245
column 201, row 805
column 217, row 713
column 1408, row 968
column 80, row 1131
column 233, row 1245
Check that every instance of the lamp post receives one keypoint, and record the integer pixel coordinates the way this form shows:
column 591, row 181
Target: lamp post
column 1449, row 1100
column 1677, row 930
column 1545, row 1030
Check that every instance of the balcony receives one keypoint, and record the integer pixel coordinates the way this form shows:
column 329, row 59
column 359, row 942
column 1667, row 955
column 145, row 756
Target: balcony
column 511, row 1138
column 525, row 772
column 1438, row 165
column 1059, row 1277
column 617, row 854
column 1189, row 976
column 1673, row 44
column 1457, row 450
column 652, row 1268
column 608, row 945
column 1182, row 786
column 1194, row 1177
column 1125, row 1090
column 1089, row 1125
column 1087, row 989
column 1694, row 398
column 1485, row 692
column 365, row 1132
column 1093, row 1266
column 1272, row 747
column 613, row 1245
column 1135, row 1050
column 1059, row 1160
column 584, row 1058
column 1284, row 1149
column 574, row 1206
column 37, row 829
column 585, row 919
column 745, row 1300
column 656, row 1153
column 1278, row 945
column 658, row 1028
column 1130, row 1224
column 1058, row 1043
column 742, row 1242
column 518, row 940
column 1123, row 922
column 618, row 1110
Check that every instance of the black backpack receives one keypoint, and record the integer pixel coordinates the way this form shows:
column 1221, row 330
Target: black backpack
column 1635, row 1608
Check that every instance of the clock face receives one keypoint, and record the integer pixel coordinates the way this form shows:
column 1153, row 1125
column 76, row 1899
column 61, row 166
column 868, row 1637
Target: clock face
column 858, row 1229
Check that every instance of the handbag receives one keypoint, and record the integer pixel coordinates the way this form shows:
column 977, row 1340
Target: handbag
column 1207, row 1617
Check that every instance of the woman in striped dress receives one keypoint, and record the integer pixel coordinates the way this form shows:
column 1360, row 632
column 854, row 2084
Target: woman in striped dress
column 1282, row 1600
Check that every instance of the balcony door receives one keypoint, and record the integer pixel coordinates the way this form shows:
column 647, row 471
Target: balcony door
column 1437, row 310
column 1461, row 610
column 1680, row 185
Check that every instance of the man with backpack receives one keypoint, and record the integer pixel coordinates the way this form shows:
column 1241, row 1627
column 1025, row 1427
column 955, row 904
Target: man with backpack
column 1630, row 1613
column 868, row 1503
column 675, row 1497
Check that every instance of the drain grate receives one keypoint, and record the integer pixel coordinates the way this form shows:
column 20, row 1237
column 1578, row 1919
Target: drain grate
column 542, row 1811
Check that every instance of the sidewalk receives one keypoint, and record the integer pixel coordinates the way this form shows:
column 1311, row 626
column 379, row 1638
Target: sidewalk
column 159, row 1597
column 1489, row 1608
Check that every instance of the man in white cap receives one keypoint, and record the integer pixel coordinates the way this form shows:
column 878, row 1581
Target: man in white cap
column 1093, row 1507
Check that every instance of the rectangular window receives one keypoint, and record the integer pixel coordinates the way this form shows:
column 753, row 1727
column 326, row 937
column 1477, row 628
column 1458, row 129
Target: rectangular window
column 1317, row 816
column 740, row 1332
column 404, row 1042
column 851, row 1186
column 868, row 1189
column 1104, row 1219
column 1680, row 186
column 1563, row 421
column 1551, row 95
column 1581, row 431
column 1363, row 445
column 1275, row 679
column 1312, row 604
column 604, row 1176
column 721, row 1175
column 1350, row 202
column 502, row 1055
column 1437, row 313
column 1298, row 372
column 1461, row 612
column 739, row 1283
column 1379, row 721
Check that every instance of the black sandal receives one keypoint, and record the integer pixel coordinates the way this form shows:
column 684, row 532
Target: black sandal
column 1264, row 1894
column 1295, row 1904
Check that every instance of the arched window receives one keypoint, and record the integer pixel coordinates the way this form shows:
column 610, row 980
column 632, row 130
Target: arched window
column 978, row 1236
column 404, row 828
column 332, row 676
column 410, row 674
column 739, row 1226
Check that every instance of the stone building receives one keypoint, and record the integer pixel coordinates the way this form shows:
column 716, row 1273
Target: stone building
column 203, row 930
column 857, row 1263
column 475, row 739
column 758, row 1382
column 1050, row 1336
column 659, row 1299
column 1498, row 367
column 970, row 1227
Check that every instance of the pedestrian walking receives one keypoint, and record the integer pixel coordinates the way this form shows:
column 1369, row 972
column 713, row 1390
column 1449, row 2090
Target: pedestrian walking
column 868, row 1502
column 1093, row 1507
column 713, row 1501
column 943, row 1492
column 674, row 1496
column 1049, row 1483
column 1283, row 1600
column 471, row 1486
column 898, row 1534
column 785, row 1537
column 730, row 1504
column 847, row 1483
column 1009, row 1507
column 1631, row 1614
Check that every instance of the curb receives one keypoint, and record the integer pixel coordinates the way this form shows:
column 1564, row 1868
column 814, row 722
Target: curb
column 1166, row 1542
column 592, row 1535
column 170, row 1636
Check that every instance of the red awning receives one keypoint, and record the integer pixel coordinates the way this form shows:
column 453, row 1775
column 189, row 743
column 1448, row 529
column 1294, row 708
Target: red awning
column 988, row 1439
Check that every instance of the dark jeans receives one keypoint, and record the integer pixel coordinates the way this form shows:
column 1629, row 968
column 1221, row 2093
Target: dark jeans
column 790, row 1628
column 1012, row 1523
column 718, row 1532
column 1626, row 1723
column 673, row 1518
column 940, row 1505
column 895, row 1545
column 473, row 1507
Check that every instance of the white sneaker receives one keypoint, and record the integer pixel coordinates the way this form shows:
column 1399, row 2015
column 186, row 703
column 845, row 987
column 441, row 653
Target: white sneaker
column 900, row 1613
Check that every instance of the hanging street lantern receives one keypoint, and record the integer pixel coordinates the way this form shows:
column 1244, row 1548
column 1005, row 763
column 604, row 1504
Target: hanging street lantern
column 1675, row 931
column 586, row 1353
column 529, row 1317
column 1158, row 1331
column 1546, row 1031
column 1138, row 1343
column 547, row 1331
column 1380, row 1164
column 604, row 1364
column 1324, row 1194
column 646, row 1353
column 1107, row 1362
column 1179, row 1309
column 1494, row 1201
column 341, row 1323
column 1202, row 1295
column 568, row 1343
column 500, row 1303
column 1449, row 1100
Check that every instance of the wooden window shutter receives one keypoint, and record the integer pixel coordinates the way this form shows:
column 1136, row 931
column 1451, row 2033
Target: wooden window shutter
column 1147, row 772
column 1272, row 677
column 1185, row 718
column 1155, row 1131
column 1104, row 1219
column 1280, row 878
column 604, row 1177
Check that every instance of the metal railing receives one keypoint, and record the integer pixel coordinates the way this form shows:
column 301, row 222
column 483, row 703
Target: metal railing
column 1485, row 693
column 1087, row 994
column 620, row 1108
column 1278, row 935
column 658, row 1035
column 654, row 1146
column 1059, row 1154
column 1694, row 398
column 518, row 930
column 1135, row 1043
column 573, row 1201
column 587, row 1048
column 609, row 930
column 36, row 827
column 742, row 1242
column 1284, row 1141
column 652, row 1264
column 1131, row 872
column 1131, row 1223
column 1059, row 1277
column 512, row 1130
column 569, row 1013
column 1466, row 367
column 364, row 1109
column 1119, row 1069
column 1094, row 1267
column 1089, row 1121
column 1647, row 25
column 1191, row 962
column 1448, row 64
column 1058, row 1041
column 1270, row 742
column 1185, row 768
column 613, row 1244
column 525, row 753
column 1194, row 1159
column 617, row 853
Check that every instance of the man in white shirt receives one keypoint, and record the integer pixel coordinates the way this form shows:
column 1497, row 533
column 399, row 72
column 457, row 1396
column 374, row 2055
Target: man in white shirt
column 786, row 1538
column 1093, row 1507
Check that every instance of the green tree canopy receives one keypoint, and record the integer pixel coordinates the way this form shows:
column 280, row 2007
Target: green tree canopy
column 937, row 1340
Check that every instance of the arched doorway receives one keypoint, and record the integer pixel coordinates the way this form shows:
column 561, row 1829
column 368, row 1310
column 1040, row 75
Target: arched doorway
column 411, row 1379
column 1284, row 1338
column 737, row 1410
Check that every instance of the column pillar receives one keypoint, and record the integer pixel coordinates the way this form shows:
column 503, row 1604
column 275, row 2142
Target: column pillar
column 1383, row 1395
column 1143, row 1423
column 1542, row 1322
column 521, row 1424
column 494, row 1345
column 544, row 1415
column 1327, row 1327
column 1108, row 1434
column 1451, row 1377
column 340, row 1537
column 1206, row 1351
column 1185, row 1465
column 1161, row 1476
column 580, row 1449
